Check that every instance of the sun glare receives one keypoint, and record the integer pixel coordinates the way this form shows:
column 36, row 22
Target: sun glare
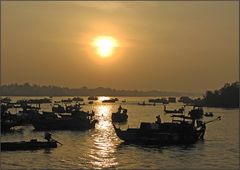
column 105, row 45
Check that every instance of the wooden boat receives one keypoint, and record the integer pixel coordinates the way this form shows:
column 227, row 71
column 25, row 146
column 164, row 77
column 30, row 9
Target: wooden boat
column 120, row 115
column 162, row 100
column 30, row 145
column 181, row 110
column 92, row 98
column 76, row 120
column 184, row 131
column 112, row 100
column 77, row 99
column 146, row 104
column 208, row 114
column 27, row 145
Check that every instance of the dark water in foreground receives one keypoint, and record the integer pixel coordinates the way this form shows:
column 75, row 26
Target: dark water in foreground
column 100, row 147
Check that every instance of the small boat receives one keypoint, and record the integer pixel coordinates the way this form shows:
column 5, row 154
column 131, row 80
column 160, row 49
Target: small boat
column 27, row 145
column 77, row 99
column 66, row 100
column 30, row 145
column 162, row 100
column 92, row 98
column 146, row 104
column 208, row 114
column 181, row 110
column 120, row 115
column 124, row 101
column 184, row 131
column 112, row 100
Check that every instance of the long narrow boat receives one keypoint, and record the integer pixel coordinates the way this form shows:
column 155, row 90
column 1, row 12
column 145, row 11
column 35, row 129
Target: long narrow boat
column 28, row 145
column 177, row 132
column 181, row 110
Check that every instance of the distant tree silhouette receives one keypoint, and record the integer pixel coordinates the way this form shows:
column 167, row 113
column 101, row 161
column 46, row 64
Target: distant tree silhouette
column 27, row 89
column 227, row 96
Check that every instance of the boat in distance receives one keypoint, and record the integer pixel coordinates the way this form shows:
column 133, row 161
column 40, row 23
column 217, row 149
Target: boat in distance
column 178, row 132
column 180, row 110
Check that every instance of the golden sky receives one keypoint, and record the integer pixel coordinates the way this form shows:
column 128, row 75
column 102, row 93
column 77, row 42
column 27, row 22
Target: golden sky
column 170, row 46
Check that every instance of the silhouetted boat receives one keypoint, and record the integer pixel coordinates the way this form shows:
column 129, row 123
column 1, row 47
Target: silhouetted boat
column 184, row 131
column 77, row 99
column 113, row 100
column 146, row 104
column 27, row 145
column 92, row 98
column 67, row 100
column 35, row 101
column 90, row 102
column 181, row 110
column 162, row 100
column 208, row 114
column 76, row 120
column 120, row 115
column 30, row 145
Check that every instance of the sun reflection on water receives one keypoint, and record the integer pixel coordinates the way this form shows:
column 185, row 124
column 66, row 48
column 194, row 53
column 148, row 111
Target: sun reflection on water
column 103, row 153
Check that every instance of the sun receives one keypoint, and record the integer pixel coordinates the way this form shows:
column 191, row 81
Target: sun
column 105, row 45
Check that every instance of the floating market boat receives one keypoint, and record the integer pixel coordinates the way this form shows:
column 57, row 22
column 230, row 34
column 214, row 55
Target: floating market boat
column 76, row 120
column 208, row 114
column 181, row 110
column 30, row 145
column 120, row 115
column 182, row 130
column 92, row 98
column 146, row 104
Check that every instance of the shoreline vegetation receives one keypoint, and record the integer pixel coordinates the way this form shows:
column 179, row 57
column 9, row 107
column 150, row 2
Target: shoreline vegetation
column 225, row 97
column 28, row 89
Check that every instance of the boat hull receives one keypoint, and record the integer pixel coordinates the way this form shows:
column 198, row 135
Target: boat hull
column 13, row 146
column 159, row 137
column 42, row 125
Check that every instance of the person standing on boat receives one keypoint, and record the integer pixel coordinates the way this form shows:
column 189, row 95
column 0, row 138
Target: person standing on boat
column 120, row 108
column 158, row 119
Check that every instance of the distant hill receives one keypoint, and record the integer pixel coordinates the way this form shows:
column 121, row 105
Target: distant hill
column 27, row 89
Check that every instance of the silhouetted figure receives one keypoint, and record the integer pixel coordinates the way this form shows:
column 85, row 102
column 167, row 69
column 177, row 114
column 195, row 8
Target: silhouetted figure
column 48, row 136
column 119, row 108
column 158, row 119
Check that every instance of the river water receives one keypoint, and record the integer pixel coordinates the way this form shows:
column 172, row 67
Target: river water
column 100, row 147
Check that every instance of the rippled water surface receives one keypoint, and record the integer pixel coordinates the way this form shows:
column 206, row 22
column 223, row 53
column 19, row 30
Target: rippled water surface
column 101, row 148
